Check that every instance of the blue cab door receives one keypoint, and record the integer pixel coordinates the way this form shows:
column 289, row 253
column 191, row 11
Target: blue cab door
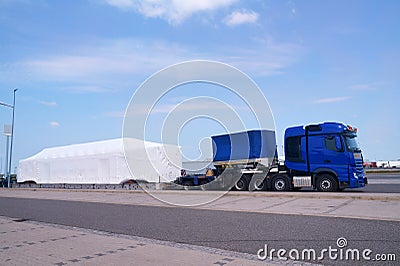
column 327, row 151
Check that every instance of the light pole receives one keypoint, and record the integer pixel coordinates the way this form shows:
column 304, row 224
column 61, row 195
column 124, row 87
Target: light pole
column 8, row 176
column 12, row 138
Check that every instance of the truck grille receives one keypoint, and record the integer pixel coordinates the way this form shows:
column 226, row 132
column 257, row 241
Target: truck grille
column 359, row 166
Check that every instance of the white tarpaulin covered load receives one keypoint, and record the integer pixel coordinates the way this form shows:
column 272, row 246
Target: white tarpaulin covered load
column 101, row 162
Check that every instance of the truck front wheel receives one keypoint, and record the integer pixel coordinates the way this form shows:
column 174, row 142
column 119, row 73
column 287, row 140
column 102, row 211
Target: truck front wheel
column 280, row 183
column 326, row 183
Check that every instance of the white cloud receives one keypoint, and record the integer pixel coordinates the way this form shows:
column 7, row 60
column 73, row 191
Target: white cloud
column 173, row 11
column 50, row 104
column 74, row 65
column 102, row 66
column 185, row 107
column 123, row 4
column 108, row 64
column 54, row 124
column 241, row 17
column 292, row 6
column 365, row 87
column 193, row 104
column 265, row 58
column 332, row 100
column 87, row 89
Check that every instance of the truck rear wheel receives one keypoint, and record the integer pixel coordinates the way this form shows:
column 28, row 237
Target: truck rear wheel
column 242, row 184
column 280, row 183
column 326, row 183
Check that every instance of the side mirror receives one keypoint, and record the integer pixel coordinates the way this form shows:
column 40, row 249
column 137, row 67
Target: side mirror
column 338, row 143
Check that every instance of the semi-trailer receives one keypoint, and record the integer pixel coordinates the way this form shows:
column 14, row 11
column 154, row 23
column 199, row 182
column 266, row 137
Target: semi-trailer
column 324, row 156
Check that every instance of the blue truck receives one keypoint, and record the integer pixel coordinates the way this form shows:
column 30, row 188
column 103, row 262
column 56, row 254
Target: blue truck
column 323, row 156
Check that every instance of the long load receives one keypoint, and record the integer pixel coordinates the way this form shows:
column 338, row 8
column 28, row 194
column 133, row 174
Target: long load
column 101, row 162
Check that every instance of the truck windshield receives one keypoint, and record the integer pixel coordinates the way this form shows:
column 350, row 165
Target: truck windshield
column 351, row 143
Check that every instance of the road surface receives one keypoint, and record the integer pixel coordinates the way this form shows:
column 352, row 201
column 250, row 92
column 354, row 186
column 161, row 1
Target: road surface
column 237, row 231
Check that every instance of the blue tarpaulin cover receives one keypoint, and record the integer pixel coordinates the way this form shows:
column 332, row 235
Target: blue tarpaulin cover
column 251, row 144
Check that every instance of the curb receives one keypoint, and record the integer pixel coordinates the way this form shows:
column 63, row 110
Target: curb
column 267, row 194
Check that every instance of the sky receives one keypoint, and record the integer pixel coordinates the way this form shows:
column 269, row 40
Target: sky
column 76, row 65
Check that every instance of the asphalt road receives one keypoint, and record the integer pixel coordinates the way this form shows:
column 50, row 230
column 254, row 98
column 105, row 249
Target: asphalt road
column 381, row 183
column 237, row 231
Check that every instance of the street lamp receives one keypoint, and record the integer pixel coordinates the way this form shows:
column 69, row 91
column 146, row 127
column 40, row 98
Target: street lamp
column 12, row 137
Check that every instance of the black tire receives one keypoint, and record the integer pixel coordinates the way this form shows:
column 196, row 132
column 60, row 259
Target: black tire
column 280, row 183
column 187, row 183
column 242, row 184
column 203, row 182
column 327, row 183
column 260, row 185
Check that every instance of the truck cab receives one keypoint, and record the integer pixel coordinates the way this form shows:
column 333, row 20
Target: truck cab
column 325, row 156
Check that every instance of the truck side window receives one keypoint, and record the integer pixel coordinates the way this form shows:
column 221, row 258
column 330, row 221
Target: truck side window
column 332, row 143
column 293, row 149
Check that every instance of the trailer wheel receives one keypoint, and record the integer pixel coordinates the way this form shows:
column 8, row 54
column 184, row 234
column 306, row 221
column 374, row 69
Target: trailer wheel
column 260, row 185
column 242, row 184
column 280, row 183
column 326, row 183
column 203, row 182
column 186, row 184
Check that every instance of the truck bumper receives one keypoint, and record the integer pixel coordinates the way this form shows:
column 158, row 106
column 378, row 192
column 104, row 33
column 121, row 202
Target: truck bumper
column 359, row 182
